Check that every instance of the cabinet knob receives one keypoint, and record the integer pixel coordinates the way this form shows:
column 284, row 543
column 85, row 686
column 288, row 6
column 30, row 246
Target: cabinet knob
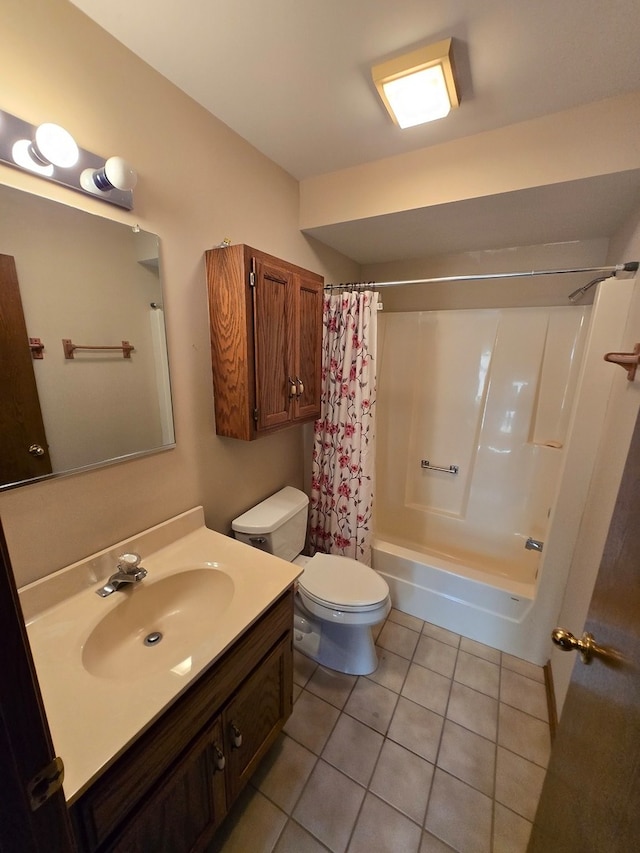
column 236, row 736
column 300, row 384
column 293, row 388
column 219, row 759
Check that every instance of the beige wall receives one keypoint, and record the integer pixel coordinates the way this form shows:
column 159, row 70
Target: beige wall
column 540, row 152
column 198, row 183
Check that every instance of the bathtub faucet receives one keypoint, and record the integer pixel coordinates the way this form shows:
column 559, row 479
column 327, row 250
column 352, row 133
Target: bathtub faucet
column 533, row 544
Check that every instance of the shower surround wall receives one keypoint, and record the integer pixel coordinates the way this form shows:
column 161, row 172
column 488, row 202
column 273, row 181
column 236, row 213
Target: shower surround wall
column 489, row 391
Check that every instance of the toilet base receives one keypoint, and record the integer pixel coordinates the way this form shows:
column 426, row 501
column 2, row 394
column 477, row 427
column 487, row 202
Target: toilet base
column 306, row 637
column 345, row 648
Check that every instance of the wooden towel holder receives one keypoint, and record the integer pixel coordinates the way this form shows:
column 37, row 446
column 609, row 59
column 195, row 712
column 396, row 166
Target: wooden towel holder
column 628, row 360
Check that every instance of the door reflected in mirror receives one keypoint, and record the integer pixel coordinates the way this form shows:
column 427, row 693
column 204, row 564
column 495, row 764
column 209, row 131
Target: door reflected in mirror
column 68, row 275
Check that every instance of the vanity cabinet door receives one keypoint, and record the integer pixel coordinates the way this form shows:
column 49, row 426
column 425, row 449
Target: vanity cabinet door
column 255, row 716
column 184, row 811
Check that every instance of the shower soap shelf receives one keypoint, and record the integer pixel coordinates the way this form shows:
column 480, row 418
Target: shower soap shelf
column 628, row 360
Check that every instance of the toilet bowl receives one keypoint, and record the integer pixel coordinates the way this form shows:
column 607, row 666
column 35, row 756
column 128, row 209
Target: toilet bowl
column 338, row 600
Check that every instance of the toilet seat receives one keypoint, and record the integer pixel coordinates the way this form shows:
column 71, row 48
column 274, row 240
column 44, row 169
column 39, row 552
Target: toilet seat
column 340, row 583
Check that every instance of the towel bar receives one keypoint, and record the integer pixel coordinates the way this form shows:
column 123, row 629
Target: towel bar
column 69, row 348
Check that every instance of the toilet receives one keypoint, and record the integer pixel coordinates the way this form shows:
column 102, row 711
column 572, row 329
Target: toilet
column 338, row 600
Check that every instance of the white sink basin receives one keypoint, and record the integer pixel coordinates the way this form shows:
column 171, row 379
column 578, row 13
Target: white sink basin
column 173, row 615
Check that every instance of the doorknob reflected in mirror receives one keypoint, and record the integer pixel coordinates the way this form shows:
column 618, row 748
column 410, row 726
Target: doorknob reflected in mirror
column 568, row 643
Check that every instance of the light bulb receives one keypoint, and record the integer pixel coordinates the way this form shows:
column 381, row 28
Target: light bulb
column 115, row 174
column 53, row 144
column 120, row 174
column 20, row 152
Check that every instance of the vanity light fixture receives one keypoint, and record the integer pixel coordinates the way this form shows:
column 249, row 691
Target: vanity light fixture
column 419, row 86
column 50, row 151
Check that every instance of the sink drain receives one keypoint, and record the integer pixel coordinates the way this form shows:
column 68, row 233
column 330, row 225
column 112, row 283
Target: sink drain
column 153, row 638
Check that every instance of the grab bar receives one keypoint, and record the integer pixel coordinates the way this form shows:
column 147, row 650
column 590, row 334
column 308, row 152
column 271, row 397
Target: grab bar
column 452, row 469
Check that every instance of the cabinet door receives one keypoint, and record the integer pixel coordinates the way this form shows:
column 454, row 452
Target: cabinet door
column 273, row 324
column 231, row 323
column 187, row 807
column 310, row 295
column 253, row 719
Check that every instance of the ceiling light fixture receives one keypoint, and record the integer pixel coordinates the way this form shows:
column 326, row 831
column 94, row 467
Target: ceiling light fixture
column 51, row 152
column 419, row 86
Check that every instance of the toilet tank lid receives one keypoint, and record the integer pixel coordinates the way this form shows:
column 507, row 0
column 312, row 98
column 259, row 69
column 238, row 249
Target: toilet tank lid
column 266, row 516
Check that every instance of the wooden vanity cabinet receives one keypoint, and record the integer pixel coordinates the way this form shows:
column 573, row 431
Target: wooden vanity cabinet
column 171, row 789
column 266, row 341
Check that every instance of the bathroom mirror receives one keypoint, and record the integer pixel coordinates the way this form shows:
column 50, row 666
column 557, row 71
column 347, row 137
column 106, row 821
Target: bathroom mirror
column 68, row 275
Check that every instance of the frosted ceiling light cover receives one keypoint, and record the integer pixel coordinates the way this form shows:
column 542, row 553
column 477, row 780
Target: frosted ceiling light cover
column 419, row 86
column 419, row 97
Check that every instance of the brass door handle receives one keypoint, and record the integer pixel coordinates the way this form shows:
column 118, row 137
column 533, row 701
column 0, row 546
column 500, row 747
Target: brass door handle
column 568, row 643
column 36, row 450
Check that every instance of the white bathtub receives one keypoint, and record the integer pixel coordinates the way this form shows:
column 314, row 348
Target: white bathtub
column 462, row 599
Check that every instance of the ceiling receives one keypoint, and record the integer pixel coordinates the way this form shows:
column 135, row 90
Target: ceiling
column 293, row 78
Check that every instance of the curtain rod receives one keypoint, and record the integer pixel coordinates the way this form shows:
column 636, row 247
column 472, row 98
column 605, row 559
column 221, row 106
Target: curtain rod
column 630, row 266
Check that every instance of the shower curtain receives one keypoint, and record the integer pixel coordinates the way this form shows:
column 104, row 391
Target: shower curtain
column 344, row 436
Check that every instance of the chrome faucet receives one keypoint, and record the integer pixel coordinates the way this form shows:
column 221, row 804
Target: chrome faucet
column 129, row 571
column 533, row 544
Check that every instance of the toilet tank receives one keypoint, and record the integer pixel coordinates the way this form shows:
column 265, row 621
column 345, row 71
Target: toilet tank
column 277, row 525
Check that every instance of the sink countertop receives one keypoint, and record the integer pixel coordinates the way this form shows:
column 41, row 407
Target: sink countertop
column 93, row 719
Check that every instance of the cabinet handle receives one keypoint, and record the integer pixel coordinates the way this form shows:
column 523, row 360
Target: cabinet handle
column 300, row 384
column 236, row 736
column 293, row 388
column 219, row 759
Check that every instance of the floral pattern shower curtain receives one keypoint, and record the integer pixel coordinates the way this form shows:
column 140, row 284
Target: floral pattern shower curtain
column 344, row 436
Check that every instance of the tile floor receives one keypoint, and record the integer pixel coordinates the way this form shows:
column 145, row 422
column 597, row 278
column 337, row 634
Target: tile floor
column 443, row 748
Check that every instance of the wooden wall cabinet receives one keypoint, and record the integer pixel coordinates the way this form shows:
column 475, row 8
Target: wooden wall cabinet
column 171, row 789
column 266, row 341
